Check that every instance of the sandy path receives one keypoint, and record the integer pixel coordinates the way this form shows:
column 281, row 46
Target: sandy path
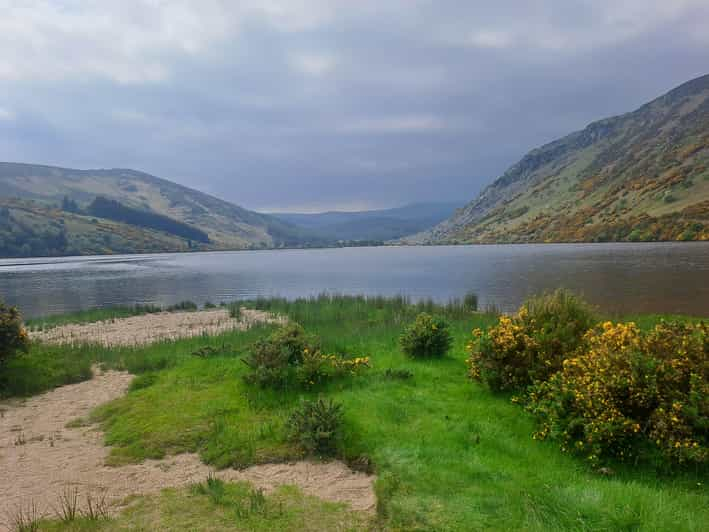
column 149, row 328
column 40, row 458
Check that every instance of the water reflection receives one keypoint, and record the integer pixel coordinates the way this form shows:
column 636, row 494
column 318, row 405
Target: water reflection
column 666, row 277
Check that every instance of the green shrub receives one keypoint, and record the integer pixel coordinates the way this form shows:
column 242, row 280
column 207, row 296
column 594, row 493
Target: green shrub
column 13, row 336
column 426, row 337
column 316, row 427
column 531, row 345
column 274, row 361
column 291, row 358
column 631, row 395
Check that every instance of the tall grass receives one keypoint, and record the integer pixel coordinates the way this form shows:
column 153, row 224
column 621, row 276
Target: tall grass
column 92, row 315
column 109, row 313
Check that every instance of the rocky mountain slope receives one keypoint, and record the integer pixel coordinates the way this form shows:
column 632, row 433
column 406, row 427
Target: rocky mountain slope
column 640, row 176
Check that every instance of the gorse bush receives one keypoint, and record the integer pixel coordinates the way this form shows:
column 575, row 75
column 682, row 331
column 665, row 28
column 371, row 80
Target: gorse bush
column 316, row 427
column 603, row 391
column 273, row 361
column 426, row 337
column 631, row 395
column 292, row 358
column 531, row 345
column 13, row 336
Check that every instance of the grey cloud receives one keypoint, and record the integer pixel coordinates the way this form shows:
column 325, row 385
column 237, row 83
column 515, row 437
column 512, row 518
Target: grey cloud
column 281, row 104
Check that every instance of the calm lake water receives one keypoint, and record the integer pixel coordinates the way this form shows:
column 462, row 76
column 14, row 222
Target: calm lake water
column 664, row 277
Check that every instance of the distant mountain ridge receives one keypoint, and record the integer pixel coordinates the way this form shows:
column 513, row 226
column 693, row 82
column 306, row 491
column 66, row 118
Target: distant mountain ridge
column 643, row 175
column 36, row 192
column 373, row 225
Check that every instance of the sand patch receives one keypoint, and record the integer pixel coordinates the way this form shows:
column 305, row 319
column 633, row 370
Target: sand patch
column 40, row 457
column 150, row 328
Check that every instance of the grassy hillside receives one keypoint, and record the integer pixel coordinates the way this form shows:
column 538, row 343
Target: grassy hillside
column 31, row 229
column 384, row 224
column 639, row 176
column 227, row 226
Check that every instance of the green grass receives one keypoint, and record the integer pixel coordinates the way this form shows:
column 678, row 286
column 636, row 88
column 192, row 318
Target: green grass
column 89, row 316
column 218, row 506
column 648, row 321
column 45, row 367
column 104, row 314
column 449, row 454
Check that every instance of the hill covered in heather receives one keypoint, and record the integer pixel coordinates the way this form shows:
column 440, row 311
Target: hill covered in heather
column 641, row 176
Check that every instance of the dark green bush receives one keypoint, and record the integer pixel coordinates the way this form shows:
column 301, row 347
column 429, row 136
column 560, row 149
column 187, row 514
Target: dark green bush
column 275, row 360
column 13, row 336
column 292, row 358
column 426, row 337
column 316, row 427
column 531, row 345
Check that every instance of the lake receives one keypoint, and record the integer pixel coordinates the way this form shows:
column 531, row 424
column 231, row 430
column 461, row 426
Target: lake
column 622, row 277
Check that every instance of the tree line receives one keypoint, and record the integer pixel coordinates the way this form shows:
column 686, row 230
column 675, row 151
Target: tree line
column 113, row 210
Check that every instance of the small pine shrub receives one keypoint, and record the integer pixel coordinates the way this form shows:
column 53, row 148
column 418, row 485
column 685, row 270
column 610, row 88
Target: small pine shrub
column 631, row 395
column 13, row 336
column 316, row 427
column 531, row 345
column 426, row 337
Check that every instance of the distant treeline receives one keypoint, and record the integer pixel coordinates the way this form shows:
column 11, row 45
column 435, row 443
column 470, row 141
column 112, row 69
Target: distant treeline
column 113, row 210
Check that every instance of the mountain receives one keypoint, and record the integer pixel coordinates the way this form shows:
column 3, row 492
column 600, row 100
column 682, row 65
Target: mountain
column 641, row 176
column 374, row 225
column 142, row 212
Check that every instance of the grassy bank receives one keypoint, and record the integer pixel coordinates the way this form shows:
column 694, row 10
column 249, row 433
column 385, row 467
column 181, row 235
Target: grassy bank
column 449, row 454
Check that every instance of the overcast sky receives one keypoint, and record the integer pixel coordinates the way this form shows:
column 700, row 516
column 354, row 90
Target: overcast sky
column 317, row 104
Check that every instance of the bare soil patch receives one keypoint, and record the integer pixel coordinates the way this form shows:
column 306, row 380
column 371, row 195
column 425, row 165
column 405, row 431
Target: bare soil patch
column 40, row 458
column 150, row 328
